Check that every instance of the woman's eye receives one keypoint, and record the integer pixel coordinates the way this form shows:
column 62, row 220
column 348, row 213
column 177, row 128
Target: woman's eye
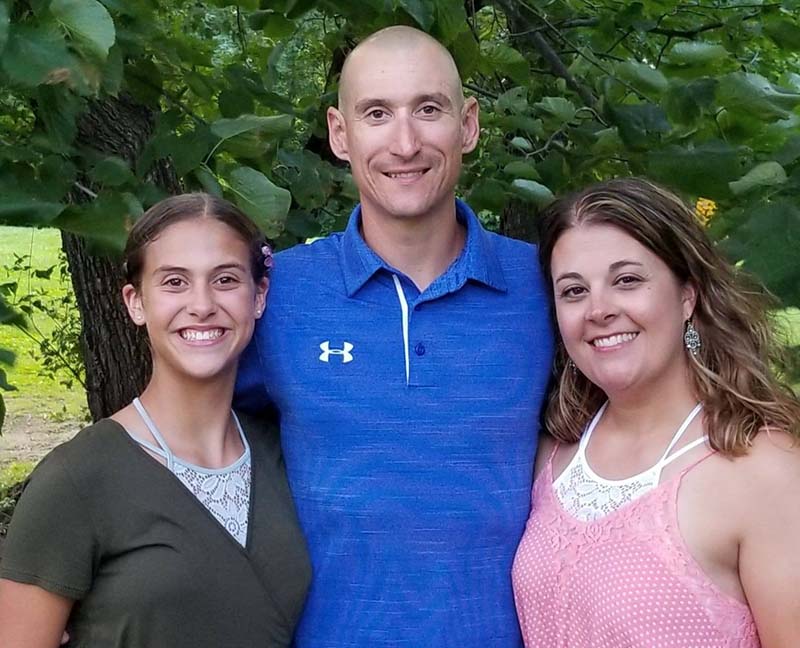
column 227, row 280
column 572, row 291
column 173, row 282
column 628, row 280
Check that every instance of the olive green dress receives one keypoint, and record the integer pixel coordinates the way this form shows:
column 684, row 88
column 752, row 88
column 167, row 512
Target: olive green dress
column 105, row 524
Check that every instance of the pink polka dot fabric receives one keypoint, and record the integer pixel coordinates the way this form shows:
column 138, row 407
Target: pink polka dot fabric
column 625, row 580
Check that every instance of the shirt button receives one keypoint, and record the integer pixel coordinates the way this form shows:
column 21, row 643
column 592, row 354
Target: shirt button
column 419, row 349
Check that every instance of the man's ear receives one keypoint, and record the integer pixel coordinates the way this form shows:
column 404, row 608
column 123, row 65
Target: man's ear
column 133, row 303
column 470, row 125
column 337, row 134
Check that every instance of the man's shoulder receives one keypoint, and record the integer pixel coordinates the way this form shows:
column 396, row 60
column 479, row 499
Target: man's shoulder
column 317, row 250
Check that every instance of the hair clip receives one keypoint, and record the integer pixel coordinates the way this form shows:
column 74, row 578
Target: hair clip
column 269, row 261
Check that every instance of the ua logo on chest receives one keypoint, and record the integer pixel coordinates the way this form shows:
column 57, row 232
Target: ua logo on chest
column 344, row 352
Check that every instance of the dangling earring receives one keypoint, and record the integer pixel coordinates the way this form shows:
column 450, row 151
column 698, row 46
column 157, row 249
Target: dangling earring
column 572, row 367
column 691, row 338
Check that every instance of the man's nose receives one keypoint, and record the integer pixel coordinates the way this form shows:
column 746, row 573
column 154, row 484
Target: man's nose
column 405, row 141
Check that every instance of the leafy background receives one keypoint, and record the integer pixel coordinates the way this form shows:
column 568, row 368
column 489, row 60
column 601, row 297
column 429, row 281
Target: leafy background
column 702, row 96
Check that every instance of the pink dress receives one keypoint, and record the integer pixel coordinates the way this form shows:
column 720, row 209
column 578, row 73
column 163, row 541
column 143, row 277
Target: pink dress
column 623, row 580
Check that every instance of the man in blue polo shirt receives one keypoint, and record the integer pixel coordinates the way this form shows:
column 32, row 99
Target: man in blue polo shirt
column 408, row 357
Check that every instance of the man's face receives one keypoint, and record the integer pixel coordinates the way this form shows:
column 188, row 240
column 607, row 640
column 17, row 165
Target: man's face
column 403, row 126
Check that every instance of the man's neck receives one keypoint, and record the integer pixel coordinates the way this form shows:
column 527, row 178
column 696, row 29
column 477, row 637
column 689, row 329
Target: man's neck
column 421, row 248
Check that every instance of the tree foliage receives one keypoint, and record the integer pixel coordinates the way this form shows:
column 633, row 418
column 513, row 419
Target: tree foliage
column 702, row 96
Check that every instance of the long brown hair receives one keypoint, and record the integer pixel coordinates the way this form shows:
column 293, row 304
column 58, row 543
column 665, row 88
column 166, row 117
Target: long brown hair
column 731, row 375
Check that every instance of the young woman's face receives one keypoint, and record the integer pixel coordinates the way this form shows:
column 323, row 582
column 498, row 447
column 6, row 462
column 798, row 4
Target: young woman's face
column 197, row 299
column 620, row 309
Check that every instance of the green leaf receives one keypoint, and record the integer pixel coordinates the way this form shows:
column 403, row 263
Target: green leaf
column 784, row 31
column 302, row 224
column 233, row 103
column 2, row 413
column 513, row 101
column 754, row 95
column 208, row 181
column 766, row 174
column 4, row 384
column 273, row 125
column 532, row 191
column 272, row 24
column 112, row 171
column 88, row 22
column 789, row 152
column 642, row 77
column 103, row 222
column 640, row 125
column 703, row 170
column 487, row 194
column 520, row 169
column 695, row 53
column 266, row 203
column 521, row 144
column 686, row 102
column 7, row 357
column 10, row 317
column 767, row 242
column 5, row 21
column 451, row 20
column 508, row 62
column 562, row 109
column 422, row 11
column 26, row 211
column 35, row 55
column 59, row 110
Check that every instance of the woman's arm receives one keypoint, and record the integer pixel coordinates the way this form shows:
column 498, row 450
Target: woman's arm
column 769, row 552
column 31, row 617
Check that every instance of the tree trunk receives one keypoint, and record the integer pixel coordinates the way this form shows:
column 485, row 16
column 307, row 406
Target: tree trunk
column 518, row 220
column 114, row 350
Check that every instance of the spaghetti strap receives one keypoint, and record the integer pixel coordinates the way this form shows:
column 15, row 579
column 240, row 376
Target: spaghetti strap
column 682, row 451
column 686, row 422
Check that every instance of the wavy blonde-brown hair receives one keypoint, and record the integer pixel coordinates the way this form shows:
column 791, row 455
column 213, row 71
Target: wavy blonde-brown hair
column 731, row 375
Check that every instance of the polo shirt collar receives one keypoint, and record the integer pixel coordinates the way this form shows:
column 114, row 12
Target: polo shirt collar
column 478, row 260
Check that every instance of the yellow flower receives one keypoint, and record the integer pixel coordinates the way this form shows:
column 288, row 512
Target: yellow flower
column 704, row 209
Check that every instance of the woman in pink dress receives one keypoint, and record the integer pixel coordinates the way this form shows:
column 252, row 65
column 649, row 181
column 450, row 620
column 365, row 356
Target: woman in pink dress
column 666, row 502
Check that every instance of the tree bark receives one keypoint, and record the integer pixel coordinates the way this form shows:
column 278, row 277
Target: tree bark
column 115, row 351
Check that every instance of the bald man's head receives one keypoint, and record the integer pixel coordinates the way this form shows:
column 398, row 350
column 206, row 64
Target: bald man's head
column 404, row 42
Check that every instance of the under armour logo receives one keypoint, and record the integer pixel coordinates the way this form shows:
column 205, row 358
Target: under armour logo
column 327, row 352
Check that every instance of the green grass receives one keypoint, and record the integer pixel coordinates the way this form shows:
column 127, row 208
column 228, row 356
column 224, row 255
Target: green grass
column 36, row 393
column 14, row 472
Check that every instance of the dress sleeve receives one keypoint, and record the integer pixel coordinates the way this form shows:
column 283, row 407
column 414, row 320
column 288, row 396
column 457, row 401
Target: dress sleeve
column 51, row 541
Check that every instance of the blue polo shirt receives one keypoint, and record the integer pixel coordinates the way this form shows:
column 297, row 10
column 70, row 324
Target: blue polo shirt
column 409, row 424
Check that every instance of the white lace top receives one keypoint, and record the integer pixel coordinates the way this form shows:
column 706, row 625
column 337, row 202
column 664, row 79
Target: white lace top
column 225, row 492
column 587, row 496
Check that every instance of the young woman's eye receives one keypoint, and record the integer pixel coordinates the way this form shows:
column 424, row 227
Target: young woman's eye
column 227, row 280
column 572, row 292
column 173, row 282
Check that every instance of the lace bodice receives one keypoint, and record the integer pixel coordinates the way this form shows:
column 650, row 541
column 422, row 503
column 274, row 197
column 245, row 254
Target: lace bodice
column 225, row 492
column 587, row 496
